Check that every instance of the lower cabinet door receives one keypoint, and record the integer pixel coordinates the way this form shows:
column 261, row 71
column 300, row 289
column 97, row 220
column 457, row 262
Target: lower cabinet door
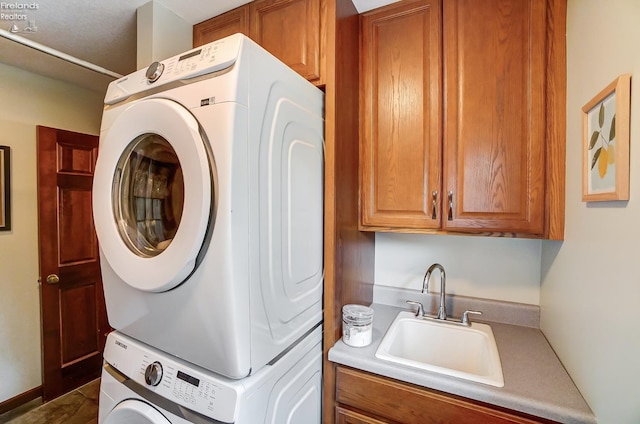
column 346, row 416
column 361, row 395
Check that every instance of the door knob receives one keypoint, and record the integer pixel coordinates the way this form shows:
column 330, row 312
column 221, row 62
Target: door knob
column 53, row 279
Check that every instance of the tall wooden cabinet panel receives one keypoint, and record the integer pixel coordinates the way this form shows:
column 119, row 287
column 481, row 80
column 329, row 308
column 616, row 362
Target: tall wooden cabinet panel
column 290, row 30
column 401, row 54
column 494, row 126
column 480, row 148
column 349, row 254
column 236, row 20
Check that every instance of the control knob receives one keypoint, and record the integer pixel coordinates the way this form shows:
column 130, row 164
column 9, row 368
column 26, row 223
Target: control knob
column 154, row 71
column 153, row 374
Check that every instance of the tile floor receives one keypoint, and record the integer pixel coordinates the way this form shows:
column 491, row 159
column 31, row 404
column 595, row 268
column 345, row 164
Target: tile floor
column 77, row 407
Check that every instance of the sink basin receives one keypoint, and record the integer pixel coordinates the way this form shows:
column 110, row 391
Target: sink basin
column 464, row 352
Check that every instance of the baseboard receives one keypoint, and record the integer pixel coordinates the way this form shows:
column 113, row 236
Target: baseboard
column 20, row 399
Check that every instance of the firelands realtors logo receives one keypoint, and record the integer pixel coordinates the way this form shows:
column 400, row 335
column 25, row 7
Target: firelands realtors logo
column 17, row 14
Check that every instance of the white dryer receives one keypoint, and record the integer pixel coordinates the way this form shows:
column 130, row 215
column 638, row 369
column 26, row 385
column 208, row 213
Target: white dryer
column 142, row 385
column 208, row 206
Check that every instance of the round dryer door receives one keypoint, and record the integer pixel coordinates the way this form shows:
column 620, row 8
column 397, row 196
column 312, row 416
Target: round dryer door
column 135, row 412
column 152, row 194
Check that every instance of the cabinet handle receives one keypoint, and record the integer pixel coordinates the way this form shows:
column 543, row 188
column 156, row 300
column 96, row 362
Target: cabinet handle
column 450, row 218
column 434, row 204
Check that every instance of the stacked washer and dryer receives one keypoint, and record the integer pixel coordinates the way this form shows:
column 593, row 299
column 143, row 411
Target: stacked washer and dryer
column 208, row 205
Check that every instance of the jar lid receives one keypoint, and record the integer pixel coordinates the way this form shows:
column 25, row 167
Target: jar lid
column 357, row 311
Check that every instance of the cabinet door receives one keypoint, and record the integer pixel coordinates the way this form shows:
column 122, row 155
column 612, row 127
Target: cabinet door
column 397, row 402
column 346, row 416
column 400, row 98
column 236, row 20
column 290, row 30
column 494, row 119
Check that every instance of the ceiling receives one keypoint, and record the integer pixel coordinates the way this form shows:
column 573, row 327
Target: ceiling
column 102, row 32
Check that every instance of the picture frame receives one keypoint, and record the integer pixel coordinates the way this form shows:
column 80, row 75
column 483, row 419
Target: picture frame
column 605, row 143
column 5, row 188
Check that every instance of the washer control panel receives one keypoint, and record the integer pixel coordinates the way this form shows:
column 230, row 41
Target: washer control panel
column 173, row 379
column 153, row 374
column 154, row 71
column 212, row 57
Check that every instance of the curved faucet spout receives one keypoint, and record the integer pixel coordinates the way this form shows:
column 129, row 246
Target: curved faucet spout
column 442, row 310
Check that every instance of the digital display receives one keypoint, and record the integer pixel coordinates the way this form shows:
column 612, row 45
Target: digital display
column 186, row 377
column 188, row 55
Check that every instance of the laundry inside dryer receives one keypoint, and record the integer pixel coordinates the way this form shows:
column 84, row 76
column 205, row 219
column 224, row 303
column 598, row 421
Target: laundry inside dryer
column 149, row 194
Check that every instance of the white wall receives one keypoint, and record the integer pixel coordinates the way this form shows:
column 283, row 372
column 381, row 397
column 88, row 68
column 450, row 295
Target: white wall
column 590, row 309
column 29, row 100
column 161, row 34
column 366, row 5
column 484, row 267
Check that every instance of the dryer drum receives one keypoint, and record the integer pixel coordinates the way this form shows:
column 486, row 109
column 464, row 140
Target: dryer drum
column 148, row 195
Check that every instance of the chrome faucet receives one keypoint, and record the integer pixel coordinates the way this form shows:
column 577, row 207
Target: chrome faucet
column 442, row 310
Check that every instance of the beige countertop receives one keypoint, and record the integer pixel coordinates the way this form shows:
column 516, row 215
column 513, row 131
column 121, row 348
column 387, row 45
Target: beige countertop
column 535, row 382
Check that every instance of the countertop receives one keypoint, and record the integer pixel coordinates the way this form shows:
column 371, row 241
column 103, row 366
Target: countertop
column 535, row 382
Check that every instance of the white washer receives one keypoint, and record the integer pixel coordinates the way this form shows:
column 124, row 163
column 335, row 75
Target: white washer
column 208, row 206
column 145, row 386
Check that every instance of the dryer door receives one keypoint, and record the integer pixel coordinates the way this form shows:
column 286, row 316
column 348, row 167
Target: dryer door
column 135, row 411
column 153, row 194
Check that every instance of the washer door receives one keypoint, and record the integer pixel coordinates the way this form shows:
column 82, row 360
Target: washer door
column 152, row 194
column 135, row 412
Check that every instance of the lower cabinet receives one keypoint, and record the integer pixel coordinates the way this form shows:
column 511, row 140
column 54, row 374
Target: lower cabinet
column 362, row 398
column 346, row 416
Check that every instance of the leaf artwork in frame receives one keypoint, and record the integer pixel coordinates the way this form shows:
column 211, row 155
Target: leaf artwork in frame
column 606, row 143
column 603, row 148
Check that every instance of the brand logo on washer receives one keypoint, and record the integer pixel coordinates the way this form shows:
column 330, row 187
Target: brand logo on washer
column 122, row 345
column 207, row 102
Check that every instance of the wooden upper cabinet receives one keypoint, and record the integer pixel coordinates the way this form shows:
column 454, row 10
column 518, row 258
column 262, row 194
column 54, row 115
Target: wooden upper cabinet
column 291, row 30
column 236, row 20
column 401, row 113
column 494, row 120
column 480, row 148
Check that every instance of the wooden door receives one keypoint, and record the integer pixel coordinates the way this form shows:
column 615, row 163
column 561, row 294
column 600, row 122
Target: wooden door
column 290, row 30
column 401, row 109
column 74, row 322
column 236, row 20
column 494, row 122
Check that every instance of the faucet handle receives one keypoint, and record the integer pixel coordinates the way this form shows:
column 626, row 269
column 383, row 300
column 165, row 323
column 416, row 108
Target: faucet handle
column 465, row 316
column 420, row 311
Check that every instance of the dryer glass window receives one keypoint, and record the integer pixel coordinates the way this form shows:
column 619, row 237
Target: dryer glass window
column 148, row 195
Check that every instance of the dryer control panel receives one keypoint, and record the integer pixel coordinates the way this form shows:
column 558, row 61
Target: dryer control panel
column 212, row 57
column 182, row 383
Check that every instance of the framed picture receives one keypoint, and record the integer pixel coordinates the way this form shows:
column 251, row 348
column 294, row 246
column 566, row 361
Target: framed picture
column 605, row 129
column 5, row 188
